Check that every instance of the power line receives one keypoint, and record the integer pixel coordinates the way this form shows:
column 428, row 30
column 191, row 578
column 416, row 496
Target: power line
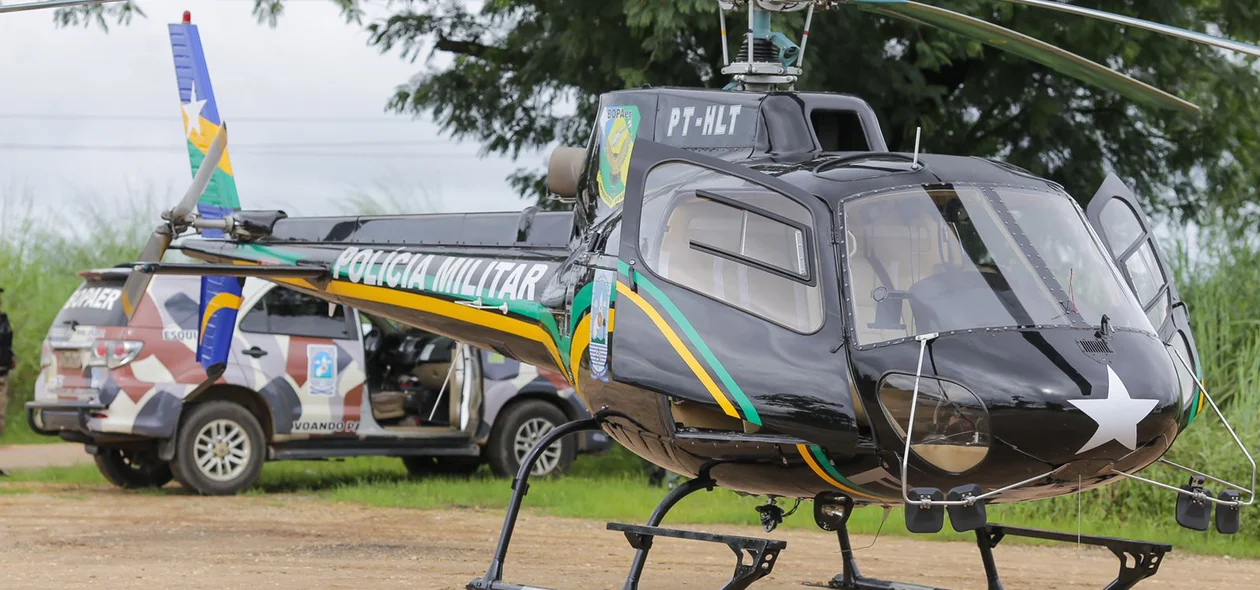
column 259, row 149
column 247, row 146
column 168, row 119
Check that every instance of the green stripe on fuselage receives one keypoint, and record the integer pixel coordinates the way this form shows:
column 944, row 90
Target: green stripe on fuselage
column 825, row 463
column 750, row 413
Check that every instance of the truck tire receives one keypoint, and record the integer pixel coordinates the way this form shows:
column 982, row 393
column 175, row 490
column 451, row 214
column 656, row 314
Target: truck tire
column 220, row 449
column 133, row 469
column 518, row 429
column 426, row 466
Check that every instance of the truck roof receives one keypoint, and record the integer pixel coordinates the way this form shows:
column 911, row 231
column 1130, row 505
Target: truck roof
column 121, row 271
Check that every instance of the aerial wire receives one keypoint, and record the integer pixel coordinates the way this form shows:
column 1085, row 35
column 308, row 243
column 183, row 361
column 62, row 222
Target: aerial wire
column 314, row 119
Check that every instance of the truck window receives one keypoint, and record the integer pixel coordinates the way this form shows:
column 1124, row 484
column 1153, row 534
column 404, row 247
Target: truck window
column 290, row 313
column 97, row 302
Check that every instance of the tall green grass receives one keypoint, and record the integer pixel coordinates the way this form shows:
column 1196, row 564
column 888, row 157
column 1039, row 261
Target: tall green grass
column 41, row 251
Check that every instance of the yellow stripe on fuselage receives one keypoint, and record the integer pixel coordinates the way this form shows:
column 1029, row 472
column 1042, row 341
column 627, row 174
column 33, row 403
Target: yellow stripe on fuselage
column 492, row 320
column 672, row 337
column 581, row 341
column 809, row 460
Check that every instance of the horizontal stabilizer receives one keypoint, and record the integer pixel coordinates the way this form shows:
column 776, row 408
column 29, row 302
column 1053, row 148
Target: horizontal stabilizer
column 236, row 270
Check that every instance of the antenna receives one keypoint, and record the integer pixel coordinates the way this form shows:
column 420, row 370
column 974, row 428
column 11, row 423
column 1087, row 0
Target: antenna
column 918, row 135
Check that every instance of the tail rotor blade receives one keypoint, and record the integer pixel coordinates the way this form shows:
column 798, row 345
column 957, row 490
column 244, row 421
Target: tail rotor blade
column 204, row 174
column 1188, row 35
column 138, row 282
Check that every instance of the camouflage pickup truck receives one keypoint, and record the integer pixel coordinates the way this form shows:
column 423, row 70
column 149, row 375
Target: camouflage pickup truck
column 304, row 380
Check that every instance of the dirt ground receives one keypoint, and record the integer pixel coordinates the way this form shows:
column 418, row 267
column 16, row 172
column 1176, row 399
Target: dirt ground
column 14, row 457
column 111, row 539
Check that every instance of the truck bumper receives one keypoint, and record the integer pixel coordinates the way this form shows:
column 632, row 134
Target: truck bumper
column 69, row 420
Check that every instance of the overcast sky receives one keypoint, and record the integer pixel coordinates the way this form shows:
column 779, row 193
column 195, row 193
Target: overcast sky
column 89, row 115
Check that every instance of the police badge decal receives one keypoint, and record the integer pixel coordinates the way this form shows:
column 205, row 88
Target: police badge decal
column 601, row 303
column 322, row 369
column 618, row 130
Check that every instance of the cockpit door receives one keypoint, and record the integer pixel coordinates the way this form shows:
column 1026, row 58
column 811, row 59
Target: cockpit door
column 1117, row 216
column 725, row 300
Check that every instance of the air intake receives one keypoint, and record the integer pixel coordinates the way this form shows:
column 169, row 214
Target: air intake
column 1095, row 346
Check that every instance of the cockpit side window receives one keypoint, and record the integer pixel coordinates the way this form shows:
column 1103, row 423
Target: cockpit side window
column 734, row 241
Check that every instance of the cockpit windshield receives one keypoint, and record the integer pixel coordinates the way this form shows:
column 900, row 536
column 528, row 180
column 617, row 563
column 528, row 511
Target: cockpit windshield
column 963, row 257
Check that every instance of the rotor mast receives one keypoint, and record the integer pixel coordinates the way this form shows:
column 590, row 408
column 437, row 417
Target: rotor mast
column 767, row 60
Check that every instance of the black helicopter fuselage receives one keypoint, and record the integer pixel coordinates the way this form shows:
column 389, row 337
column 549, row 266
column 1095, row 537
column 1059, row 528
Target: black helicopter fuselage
column 750, row 282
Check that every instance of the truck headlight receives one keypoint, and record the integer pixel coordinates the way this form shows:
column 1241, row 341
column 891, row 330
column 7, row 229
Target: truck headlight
column 951, row 424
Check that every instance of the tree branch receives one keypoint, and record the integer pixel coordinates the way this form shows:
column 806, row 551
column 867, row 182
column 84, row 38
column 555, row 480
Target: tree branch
column 469, row 48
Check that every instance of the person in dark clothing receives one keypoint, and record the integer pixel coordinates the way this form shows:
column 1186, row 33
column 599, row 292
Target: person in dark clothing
column 7, row 359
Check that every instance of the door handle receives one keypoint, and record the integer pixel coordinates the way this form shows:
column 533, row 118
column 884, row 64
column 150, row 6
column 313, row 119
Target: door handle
column 254, row 352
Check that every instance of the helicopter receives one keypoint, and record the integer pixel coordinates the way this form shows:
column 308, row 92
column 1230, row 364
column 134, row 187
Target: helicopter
column 755, row 293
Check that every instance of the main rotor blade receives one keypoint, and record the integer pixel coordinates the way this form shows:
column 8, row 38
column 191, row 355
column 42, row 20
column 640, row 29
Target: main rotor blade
column 49, row 4
column 138, row 282
column 1055, row 58
column 204, row 174
column 1186, row 34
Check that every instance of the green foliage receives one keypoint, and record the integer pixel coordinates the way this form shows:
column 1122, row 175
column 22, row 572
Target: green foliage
column 40, row 256
column 526, row 74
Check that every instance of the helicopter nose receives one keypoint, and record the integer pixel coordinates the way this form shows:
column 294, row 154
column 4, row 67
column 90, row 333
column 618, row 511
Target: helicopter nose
column 1064, row 402
column 1118, row 414
column 1129, row 411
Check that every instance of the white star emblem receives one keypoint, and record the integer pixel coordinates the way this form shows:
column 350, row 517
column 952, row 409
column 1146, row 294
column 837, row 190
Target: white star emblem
column 192, row 111
column 1117, row 416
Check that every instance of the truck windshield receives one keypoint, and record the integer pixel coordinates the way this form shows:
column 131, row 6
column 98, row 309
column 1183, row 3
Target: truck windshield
column 961, row 257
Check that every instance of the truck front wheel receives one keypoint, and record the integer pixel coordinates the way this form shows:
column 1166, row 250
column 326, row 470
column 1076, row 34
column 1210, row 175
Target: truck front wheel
column 220, row 449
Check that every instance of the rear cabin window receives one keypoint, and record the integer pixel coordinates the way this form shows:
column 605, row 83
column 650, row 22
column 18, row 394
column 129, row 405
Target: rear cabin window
column 734, row 241
column 97, row 302
column 839, row 131
column 290, row 313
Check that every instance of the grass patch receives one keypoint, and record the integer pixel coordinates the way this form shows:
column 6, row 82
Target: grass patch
column 611, row 487
column 40, row 256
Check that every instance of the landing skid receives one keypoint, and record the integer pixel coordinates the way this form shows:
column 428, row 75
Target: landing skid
column 763, row 552
column 1139, row 560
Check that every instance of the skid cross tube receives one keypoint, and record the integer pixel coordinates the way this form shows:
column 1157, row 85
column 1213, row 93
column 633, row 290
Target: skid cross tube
column 764, row 552
column 1139, row 560
column 520, row 487
column 850, row 577
column 703, row 482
